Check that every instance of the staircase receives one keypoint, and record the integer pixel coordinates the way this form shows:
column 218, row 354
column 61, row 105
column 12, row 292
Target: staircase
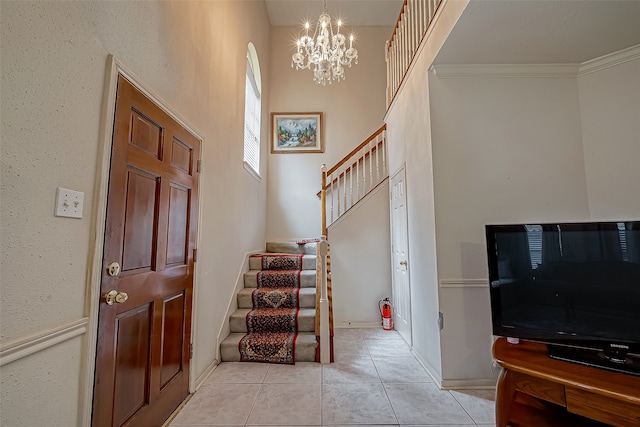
column 306, row 343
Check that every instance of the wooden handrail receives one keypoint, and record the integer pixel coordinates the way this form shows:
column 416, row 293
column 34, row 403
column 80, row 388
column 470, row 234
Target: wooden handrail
column 358, row 148
column 393, row 35
column 348, row 169
column 356, row 174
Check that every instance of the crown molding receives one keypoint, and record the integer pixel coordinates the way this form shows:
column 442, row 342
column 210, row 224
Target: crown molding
column 475, row 71
column 500, row 71
column 609, row 60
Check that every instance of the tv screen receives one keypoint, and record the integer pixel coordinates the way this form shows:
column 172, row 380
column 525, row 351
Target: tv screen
column 569, row 284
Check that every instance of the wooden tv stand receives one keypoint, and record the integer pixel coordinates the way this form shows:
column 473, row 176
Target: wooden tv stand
column 535, row 390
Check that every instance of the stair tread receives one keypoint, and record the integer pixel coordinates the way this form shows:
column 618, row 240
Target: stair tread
column 291, row 247
column 305, row 347
column 304, row 312
column 306, row 297
column 306, row 341
column 307, row 278
column 306, row 320
column 308, row 260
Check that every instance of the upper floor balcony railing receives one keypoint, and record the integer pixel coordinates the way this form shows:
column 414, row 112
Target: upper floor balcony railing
column 411, row 27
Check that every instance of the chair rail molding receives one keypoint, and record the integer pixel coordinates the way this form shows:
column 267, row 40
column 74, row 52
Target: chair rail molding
column 464, row 283
column 25, row 346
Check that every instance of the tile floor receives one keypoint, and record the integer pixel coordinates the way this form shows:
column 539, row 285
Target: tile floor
column 375, row 380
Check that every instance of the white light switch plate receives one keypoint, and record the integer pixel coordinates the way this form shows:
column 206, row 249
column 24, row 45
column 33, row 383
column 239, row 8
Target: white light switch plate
column 69, row 203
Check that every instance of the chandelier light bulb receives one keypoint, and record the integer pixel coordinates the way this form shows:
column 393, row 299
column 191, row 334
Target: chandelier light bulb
column 324, row 52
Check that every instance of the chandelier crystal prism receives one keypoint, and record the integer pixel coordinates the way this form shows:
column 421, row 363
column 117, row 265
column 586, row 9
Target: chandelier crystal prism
column 326, row 52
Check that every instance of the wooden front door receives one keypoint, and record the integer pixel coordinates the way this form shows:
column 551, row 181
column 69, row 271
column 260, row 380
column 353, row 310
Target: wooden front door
column 144, row 326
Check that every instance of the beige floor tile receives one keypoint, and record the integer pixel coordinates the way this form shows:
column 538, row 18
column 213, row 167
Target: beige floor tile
column 376, row 381
column 380, row 334
column 300, row 373
column 347, row 333
column 401, row 369
column 355, row 370
column 238, row 373
column 361, row 403
column 424, row 403
column 479, row 404
column 287, row 404
column 388, row 348
column 224, row 404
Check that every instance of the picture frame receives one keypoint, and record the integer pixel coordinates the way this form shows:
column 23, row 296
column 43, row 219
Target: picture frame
column 297, row 133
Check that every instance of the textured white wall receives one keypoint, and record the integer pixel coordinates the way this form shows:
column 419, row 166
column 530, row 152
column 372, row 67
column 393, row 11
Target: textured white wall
column 610, row 110
column 360, row 261
column 408, row 131
column 54, row 56
column 353, row 109
column 513, row 150
column 516, row 157
column 409, row 142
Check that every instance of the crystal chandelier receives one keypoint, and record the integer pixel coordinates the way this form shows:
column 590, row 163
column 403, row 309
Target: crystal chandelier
column 326, row 52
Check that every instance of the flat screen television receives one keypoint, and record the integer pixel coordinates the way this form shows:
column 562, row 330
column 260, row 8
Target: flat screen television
column 573, row 286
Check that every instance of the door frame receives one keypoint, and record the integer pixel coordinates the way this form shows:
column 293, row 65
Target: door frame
column 114, row 69
column 401, row 171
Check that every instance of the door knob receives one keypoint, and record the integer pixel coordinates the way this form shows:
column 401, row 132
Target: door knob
column 114, row 296
column 403, row 263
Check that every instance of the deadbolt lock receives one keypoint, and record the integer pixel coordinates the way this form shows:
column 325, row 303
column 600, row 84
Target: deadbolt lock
column 113, row 269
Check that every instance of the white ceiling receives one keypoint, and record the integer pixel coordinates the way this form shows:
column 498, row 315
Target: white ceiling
column 541, row 31
column 354, row 12
column 499, row 31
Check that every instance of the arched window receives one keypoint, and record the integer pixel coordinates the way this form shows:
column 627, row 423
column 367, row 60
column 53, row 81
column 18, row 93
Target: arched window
column 252, row 112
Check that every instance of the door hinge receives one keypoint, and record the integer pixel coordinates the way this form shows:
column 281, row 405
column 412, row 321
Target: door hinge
column 191, row 351
column 195, row 254
column 199, row 166
column 440, row 320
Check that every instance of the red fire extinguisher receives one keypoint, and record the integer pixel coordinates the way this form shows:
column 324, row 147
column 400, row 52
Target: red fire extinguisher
column 385, row 312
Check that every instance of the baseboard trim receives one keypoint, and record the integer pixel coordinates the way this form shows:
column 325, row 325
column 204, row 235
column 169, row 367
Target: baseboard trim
column 430, row 371
column 478, row 384
column 205, row 374
column 25, row 346
column 356, row 325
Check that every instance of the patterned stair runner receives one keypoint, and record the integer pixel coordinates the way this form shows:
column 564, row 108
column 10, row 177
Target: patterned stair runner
column 272, row 324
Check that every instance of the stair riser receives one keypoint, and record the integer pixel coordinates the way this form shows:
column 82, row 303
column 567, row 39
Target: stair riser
column 306, row 320
column 308, row 263
column 307, row 279
column 306, row 298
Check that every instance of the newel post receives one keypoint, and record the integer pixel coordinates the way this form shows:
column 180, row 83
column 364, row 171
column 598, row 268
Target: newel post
column 325, row 339
column 323, row 199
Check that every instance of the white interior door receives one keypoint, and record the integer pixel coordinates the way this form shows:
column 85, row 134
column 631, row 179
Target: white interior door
column 401, row 287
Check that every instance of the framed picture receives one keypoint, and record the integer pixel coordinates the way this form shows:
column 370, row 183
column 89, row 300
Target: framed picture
column 296, row 133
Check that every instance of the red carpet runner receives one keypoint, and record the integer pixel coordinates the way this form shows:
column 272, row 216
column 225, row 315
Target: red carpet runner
column 272, row 324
